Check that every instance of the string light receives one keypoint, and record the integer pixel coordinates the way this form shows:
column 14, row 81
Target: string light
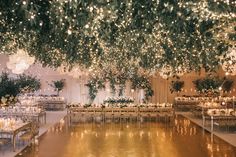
column 229, row 65
column 128, row 38
column 69, row 32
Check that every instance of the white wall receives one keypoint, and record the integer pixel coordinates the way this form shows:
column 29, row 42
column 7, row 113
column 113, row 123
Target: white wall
column 75, row 89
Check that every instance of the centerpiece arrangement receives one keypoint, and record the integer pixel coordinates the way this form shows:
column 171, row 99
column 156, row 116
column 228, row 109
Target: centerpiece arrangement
column 120, row 99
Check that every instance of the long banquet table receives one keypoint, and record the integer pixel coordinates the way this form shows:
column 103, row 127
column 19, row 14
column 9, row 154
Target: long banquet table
column 27, row 113
column 46, row 102
column 13, row 132
column 188, row 103
column 165, row 113
column 220, row 117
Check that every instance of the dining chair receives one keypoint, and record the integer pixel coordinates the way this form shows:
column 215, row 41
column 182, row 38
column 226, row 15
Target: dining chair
column 30, row 134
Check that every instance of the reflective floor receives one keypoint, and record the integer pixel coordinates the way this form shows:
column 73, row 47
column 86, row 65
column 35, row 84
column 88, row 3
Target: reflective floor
column 181, row 138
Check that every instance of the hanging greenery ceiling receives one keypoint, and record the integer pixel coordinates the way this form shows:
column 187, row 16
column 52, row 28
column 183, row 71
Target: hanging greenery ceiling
column 117, row 38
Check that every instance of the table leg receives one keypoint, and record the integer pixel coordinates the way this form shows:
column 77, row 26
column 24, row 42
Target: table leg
column 203, row 121
column 44, row 117
column 212, row 122
column 14, row 142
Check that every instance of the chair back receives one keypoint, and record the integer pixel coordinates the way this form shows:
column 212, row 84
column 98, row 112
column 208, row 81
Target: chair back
column 34, row 128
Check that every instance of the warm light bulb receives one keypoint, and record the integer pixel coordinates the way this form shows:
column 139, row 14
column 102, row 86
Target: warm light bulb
column 87, row 26
column 69, row 32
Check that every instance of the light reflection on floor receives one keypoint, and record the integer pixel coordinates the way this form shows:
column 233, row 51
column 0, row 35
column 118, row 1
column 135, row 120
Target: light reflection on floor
column 149, row 139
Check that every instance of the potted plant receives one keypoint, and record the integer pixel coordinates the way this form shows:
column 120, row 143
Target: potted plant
column 176, row 86
column 27, row 84
column 58, row 85
column 227, row 85
column 208, row 86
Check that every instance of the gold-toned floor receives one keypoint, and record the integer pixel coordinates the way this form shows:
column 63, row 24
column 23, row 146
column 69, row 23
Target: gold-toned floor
column 148, row 139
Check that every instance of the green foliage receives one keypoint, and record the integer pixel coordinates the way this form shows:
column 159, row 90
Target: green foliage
column 176, row 86
column 138, row 82
column 150, row 33
column 207, row 84
column 121, row 90
column 142, row 82
column 112, row 86
column 212, row 85
column 28, row 84
column 58, row 85
column 120, row 40
column 92, row 91
column 94, row 84
column 10, row 88
column 87, row 105
column 227, row 85
column 118, row 100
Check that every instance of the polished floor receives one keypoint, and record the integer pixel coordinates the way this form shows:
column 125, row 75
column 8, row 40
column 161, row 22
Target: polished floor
column 181, row 138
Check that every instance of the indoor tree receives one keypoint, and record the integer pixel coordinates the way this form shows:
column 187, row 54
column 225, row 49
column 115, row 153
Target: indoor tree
column 58, row 85
column 176, row 86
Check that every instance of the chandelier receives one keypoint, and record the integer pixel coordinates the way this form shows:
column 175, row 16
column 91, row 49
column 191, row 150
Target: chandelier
column 19, row 62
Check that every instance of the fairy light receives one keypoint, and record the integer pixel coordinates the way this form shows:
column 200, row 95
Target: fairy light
column 229, row 65
column 69, row 32
column 138, row 48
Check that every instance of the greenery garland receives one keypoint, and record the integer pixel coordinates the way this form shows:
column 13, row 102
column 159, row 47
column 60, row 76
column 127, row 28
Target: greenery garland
column 120, row 40
column 142, row 82
column 128, row 34
column 112, row 85
column 137, row 82
column 94, row 85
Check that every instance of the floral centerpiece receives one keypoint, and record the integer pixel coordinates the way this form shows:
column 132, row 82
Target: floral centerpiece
column 120, row 99
column 7, row 100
